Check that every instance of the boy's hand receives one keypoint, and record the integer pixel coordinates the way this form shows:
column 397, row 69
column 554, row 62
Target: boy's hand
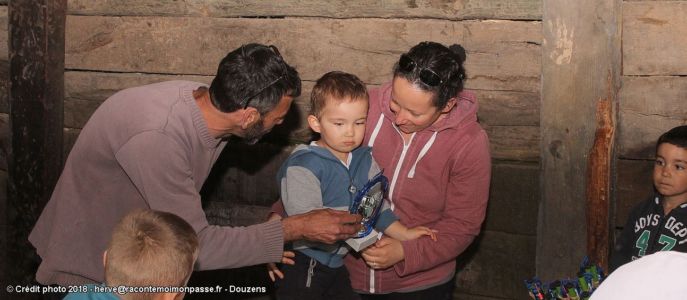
column 272, row 270
column 417, row 232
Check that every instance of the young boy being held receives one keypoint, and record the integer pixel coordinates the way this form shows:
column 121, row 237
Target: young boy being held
column 659, row 223
column 148, row 249
column 327, row 173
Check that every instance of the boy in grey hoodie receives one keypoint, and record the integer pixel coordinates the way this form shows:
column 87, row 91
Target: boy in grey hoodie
column 327, row 173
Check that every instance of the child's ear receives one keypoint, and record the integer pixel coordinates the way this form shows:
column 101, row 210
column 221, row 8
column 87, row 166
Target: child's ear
column 314, row 123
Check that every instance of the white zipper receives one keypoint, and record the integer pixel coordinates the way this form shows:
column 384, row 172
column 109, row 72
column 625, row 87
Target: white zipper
column 398, row 167
column 391, row 191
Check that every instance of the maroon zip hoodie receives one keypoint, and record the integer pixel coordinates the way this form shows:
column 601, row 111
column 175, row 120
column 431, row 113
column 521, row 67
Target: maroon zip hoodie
column 439, row 180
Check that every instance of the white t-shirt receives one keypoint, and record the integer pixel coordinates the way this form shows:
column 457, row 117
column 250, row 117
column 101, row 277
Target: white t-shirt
column 662, row 275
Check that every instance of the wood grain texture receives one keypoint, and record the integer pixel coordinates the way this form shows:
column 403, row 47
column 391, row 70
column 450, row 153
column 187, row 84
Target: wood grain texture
column 453, row 10
column 581, row 51
column 495, row 265
column 649, row 106
column 502, row 55
column 655, row 38
column 635, row 184
column 36, row 91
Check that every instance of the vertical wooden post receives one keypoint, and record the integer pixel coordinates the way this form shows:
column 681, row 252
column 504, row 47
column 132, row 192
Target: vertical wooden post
column 36, row 92
column 580, row 77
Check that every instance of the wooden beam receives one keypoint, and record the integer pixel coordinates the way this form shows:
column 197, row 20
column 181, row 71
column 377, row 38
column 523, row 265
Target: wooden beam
column 36, row 88
column 654, row 38
column 580, row 71
column 451, row 10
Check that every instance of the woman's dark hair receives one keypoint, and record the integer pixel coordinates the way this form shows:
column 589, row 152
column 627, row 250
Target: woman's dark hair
column 253, row 75
column 434, row 68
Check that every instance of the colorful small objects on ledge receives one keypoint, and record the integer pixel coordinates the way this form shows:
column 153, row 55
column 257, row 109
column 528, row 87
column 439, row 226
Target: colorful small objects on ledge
column 588, row 279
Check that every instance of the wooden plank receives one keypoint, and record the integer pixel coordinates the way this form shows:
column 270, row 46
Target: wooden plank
column 365, row 47
column 513, row 198
column 453, row 10
column 519, row 143
column 503, row 108
column 598, row 190
column 4, row 84
column 4, row 41
column 36, row 92
column 655, row 38
column 496, row 264
column 85, row 91
column 635, row 184
column 638, row 133
column 581, row 66
column 514, row 134
column 4, row 66
column 649, row 106
column 5, row 143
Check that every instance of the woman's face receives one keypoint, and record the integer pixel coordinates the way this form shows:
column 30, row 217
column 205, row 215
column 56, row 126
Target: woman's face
column 412, row 106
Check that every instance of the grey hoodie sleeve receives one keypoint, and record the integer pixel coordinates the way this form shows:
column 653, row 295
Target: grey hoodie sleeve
column 300, row 191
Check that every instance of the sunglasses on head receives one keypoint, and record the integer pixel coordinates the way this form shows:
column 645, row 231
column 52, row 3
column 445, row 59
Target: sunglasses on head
column 281, row 59
column 427, row 76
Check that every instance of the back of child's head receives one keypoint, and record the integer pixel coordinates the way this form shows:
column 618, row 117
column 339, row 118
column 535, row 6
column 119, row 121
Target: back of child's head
column 676, row 136
column 336, row 86
column 150, row 248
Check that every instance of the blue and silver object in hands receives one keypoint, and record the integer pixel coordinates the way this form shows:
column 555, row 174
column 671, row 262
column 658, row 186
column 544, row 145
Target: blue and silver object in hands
column 368, row 203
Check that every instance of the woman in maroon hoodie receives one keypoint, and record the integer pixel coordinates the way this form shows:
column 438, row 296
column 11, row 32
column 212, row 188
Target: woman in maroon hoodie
column 423, row 131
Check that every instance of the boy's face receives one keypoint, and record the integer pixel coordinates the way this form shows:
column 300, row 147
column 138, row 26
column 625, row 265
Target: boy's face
column 670, row 172
column 341, row 125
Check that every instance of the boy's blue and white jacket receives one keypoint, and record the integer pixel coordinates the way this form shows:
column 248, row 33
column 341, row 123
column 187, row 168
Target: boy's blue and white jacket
column 313, row 178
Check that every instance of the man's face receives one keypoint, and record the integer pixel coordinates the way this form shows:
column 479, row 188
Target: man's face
column 254, row 133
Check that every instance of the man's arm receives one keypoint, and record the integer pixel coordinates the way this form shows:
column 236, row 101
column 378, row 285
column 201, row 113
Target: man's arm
column 161, row 171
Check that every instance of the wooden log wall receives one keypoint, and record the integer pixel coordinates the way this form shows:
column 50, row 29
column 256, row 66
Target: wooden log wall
column 653, row 98
column 111, row 45
column 4, row 139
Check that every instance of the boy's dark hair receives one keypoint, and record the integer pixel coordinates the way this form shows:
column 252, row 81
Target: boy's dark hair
column 336, row 85
column 446, row 62
column 676, row 136
column 253, row 75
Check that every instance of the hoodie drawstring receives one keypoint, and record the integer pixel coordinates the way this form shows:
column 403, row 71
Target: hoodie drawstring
column 424, row 151
column 375, row 132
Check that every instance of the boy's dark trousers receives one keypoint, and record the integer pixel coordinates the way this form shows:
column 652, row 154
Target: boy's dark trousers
column 325, row 283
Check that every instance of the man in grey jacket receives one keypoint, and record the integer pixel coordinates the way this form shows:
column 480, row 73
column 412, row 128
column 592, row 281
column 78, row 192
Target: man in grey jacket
column 153, row 147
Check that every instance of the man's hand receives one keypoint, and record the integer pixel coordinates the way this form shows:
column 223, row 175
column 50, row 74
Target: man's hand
column 384, row 253
column 322, row 225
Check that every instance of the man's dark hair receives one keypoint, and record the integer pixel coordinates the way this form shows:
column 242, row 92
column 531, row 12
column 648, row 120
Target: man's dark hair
column 254, row 75
column 676, row 136
column 446, row 62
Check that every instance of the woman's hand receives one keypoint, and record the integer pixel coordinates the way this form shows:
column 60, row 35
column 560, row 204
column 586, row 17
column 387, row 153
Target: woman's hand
column 384, row 253
column 273, row 270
